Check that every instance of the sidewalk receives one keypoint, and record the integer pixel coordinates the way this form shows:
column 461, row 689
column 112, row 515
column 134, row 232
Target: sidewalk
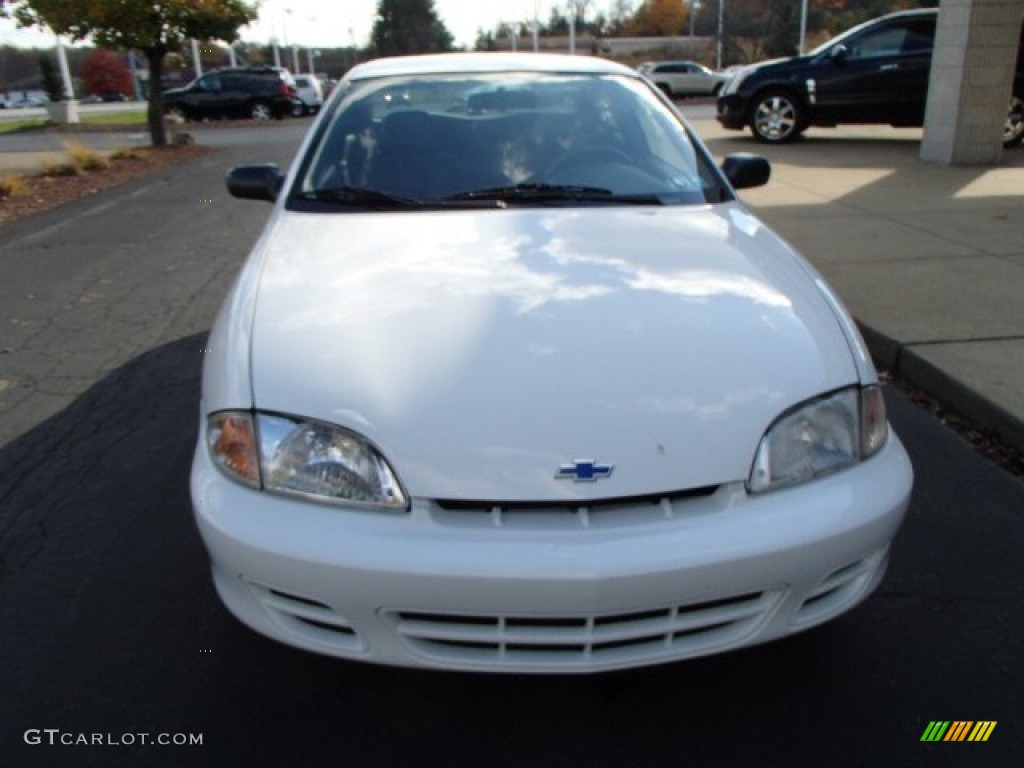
column 928, row 258
column 33, row 151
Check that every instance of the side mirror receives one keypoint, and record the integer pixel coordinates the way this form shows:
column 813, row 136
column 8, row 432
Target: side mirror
column 255, row 182
column 744, row 170
column 839, row 54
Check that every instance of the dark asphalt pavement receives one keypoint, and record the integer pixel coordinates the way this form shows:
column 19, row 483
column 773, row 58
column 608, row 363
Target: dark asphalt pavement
column 109, row 624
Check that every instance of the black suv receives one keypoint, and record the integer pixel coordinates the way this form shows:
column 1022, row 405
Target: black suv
column 874, row 73
column 254, row 92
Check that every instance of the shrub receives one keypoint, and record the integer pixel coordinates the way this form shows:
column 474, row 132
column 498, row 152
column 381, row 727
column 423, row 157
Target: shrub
column 61, row 169
column 128, row 153
column 83, row 158
column 12, row 185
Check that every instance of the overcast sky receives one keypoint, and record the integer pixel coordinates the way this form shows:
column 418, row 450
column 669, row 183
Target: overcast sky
column 338, row 23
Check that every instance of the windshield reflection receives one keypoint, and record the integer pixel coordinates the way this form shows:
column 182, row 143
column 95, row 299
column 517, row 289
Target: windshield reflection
column 430, row 137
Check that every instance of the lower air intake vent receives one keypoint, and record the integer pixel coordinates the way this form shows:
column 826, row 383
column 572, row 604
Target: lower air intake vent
column 554, row 642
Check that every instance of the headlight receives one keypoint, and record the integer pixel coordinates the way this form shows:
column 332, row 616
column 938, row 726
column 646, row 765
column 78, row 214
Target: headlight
column 303, row 457
column 736, row 81
column 820, row 436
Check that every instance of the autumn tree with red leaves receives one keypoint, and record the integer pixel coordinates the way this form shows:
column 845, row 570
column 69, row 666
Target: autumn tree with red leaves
column 105, row 72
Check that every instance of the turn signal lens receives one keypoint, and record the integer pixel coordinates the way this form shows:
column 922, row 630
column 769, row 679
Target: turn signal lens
column 232, row 441
column 874, row 429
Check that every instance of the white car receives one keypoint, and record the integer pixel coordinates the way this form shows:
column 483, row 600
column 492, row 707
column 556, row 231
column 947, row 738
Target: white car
column 513, row 382
column 310, row 93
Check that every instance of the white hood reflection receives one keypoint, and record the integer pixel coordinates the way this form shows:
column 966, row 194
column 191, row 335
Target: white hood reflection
column 457, row 339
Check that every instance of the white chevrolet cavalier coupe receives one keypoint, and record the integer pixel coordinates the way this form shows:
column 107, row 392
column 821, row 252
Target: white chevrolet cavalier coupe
column 513, row 382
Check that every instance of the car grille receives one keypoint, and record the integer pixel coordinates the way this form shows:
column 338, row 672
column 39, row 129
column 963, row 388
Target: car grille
column 309, row 619
column 631, row 510
column 561, row 642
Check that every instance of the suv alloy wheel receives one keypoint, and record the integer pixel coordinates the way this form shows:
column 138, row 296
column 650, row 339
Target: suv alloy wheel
column 776, row 117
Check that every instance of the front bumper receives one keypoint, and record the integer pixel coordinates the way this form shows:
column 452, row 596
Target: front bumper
column 732, row 111
column 551, row 591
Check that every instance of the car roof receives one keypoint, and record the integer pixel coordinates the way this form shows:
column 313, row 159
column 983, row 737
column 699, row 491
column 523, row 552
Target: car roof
column 451, row 63
column 911, row 12
column 254, row 70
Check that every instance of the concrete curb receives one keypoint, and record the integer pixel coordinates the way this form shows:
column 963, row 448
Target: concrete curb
column 904, row 362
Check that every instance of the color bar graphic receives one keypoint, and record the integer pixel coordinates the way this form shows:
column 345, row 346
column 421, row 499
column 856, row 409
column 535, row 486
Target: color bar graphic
column 958, row 730
column 982, row 730
column 935, row 731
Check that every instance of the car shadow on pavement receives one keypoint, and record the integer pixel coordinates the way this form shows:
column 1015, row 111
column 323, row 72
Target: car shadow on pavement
column 112, row 446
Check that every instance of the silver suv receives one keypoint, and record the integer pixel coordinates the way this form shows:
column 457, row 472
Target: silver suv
column 683, row 78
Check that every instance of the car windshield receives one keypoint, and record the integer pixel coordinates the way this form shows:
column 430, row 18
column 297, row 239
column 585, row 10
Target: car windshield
column 504, row 139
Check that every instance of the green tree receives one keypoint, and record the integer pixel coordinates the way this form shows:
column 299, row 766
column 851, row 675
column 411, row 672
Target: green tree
column 409, row 26
column 154, row 28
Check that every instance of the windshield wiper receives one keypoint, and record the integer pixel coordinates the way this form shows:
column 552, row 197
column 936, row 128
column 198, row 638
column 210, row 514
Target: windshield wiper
column 554, row 192
column 374, row 198
column 359, row 196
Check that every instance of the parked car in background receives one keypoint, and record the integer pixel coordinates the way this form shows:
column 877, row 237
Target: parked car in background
column 310, row 92
column 514, row 382
column 22, row 101
column 683, row 78
column 877, row 72
column 259, row 93
column 104, row 98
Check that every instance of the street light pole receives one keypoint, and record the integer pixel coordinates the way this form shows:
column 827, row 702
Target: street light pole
column 536, row 26
column 803, row 26
column 197, row 63
column 721, row 26
column 572, row 27
column 309, row 51
column 65, row 73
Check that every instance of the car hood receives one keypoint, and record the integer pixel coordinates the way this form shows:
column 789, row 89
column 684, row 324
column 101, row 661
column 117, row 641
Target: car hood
column 778, row 65
column 482, row 350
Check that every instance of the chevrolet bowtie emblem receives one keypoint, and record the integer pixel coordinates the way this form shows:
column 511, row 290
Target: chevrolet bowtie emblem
column 584, row 471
